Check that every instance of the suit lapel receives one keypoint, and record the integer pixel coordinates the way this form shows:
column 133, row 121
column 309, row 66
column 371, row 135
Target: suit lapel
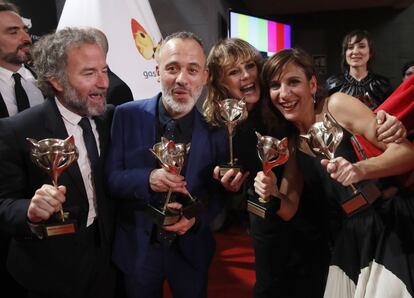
column 199, row 149
column 3, row 109
column 103, row 128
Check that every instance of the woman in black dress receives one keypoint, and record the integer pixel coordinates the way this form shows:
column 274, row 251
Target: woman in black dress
column 372, row 243
column 291, row 258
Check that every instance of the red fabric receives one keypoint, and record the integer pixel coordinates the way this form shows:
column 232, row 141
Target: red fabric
column 400, row 104
column 364, row 149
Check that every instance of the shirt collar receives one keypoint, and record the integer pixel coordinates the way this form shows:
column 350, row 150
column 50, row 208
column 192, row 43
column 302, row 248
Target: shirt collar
column 68, row 115
column 7, row 74
column 164, row 117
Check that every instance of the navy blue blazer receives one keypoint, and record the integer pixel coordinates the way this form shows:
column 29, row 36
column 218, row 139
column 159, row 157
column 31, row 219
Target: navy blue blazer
column 129, row 164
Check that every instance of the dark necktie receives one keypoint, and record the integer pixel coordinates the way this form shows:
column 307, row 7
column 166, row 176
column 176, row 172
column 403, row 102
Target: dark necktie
column 166, row 238
column 21, row 97
column 90, row 142
column 170, row 132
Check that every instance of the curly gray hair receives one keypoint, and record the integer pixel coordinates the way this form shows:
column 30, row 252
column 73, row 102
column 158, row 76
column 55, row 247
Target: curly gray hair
column 50, row 55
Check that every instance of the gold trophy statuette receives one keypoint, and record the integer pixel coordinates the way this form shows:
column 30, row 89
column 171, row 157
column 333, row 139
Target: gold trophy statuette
column 232, row 113
column 171, row 156
column 272, row 152
column 54, row 156
column 323, row 138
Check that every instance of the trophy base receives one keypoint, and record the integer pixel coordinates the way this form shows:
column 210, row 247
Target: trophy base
column 263, row 209
column 227, row 167
column 62, row 228
column 193, row 209
column 362, row 198
column 160, row 218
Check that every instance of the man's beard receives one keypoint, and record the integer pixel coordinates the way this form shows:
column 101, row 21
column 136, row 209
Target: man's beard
column 180, row 107
column 16, row 58
column 79, row 105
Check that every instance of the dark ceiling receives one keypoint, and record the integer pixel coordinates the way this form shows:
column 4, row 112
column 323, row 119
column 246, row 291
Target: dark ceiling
column 288, row 7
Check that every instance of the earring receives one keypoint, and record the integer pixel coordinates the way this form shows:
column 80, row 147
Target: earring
column 314, row 98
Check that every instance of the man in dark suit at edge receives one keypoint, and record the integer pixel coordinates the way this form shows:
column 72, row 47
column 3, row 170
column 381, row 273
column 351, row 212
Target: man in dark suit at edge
column 72, row 72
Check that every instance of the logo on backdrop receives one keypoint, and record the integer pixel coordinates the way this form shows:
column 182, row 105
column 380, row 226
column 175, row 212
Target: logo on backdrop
column 133, row 36
column 143, row 41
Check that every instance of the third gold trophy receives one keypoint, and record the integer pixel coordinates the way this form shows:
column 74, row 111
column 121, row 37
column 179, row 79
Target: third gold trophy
column 323, row 138
column 232, row 112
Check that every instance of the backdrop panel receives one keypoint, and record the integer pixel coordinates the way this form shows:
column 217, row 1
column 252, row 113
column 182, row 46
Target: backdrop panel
column 133, row 36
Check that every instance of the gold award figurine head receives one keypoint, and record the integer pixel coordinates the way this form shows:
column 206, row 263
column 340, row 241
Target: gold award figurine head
column 324, row 137
column 53, row 155
column 272, row 152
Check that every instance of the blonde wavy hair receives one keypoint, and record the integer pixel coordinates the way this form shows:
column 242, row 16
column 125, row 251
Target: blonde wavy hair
column 223, row 54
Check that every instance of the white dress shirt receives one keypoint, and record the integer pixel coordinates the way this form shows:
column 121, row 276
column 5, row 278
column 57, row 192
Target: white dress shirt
column 7, row 89
column 71, row 121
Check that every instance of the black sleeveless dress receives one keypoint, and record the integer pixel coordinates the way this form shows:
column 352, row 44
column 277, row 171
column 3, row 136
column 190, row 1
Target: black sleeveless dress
column 372, row 249
column 287, row 253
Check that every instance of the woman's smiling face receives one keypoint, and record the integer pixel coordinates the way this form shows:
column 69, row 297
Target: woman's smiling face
column 241, row 79
column 292, row 93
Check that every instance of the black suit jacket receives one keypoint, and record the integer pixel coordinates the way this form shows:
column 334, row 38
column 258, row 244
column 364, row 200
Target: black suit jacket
column 3, row 108
column 118, row 91
column 50, row 263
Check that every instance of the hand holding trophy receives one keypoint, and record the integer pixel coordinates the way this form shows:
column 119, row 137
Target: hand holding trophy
column 232, row 112
column 54, row 156
column 323, row 138
column 272, row 152
column 171, row 156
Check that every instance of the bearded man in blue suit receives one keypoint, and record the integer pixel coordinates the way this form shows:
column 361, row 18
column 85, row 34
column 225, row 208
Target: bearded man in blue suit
column 180, row 253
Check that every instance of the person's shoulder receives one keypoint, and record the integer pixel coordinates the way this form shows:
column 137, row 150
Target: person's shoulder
column 29, row 119
column 338, row 101
column 345, row 108
column 212, row 130
column 334, row 82
column 32, row 114
column 335, row 79
column 136, row 105
column 380, row 79
column 338, row 98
